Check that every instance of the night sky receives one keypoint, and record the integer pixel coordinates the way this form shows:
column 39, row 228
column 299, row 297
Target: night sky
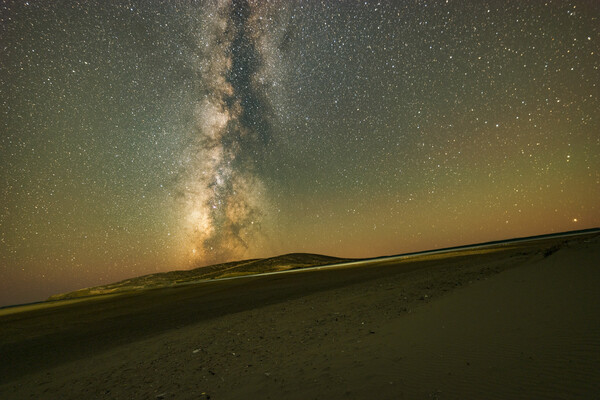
column 146, row 136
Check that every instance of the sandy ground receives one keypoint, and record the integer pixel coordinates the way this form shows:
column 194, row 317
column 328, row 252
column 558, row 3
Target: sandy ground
column 520, row 322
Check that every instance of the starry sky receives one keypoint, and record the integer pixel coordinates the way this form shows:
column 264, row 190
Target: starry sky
column 146, row 136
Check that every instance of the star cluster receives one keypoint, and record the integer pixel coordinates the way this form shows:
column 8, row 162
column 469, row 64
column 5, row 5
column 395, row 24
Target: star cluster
column 148, row 136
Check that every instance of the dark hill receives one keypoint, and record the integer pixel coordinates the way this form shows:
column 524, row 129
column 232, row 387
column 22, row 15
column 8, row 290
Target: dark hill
column 225, row 270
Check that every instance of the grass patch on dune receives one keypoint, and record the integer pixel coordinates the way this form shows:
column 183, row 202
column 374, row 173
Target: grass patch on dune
column 234, row 274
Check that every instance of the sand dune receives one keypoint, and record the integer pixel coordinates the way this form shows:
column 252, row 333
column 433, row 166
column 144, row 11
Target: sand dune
column 517, row 322
column 217, row 271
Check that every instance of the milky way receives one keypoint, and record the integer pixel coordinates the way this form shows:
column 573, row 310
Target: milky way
column 142, row 136
column 225, row 201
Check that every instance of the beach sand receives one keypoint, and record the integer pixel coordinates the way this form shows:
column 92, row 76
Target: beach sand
column 519, row 321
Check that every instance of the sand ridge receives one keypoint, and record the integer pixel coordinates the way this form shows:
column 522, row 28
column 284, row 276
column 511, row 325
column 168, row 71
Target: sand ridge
column 522, row 324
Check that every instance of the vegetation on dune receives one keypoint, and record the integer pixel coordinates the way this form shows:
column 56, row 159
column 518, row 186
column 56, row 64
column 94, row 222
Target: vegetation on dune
column 225, row 270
